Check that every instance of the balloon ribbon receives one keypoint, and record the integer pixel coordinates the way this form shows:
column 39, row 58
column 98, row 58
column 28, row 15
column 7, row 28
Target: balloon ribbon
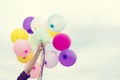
column 42, row 67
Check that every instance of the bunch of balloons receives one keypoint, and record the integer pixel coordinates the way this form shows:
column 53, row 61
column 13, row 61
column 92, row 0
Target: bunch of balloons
column 36, row 30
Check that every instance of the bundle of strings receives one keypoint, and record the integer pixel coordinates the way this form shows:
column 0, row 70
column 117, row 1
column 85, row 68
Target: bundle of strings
column 42, row 66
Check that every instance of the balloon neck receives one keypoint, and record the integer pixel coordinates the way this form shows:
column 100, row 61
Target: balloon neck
column 24, row 57
column 40, row 40
column 52, row 26
column 30, row 31
column 26, row 51
column 33, row 68
column 45, row 62
column 64, row 56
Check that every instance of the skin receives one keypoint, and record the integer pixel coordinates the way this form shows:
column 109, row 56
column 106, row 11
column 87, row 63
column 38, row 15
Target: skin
column 34, row 59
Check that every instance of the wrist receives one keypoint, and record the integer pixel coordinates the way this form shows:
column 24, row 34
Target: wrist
column 39, row 50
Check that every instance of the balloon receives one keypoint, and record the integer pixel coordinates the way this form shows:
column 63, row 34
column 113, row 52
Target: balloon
column 49, row 47
column 52, row 33
column 25, row 59
column 35, row 72
column 56, row 23
column 27, row 24
column 38, row 23
column 22, row 48
column 51, row 59
column 67, row 57
column 61, row 41
column 38, row 37
column 19, row 34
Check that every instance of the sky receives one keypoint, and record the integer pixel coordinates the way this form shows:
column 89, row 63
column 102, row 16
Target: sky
column 94, row 29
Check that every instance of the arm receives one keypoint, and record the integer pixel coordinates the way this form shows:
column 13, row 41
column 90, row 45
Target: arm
column 34, row 59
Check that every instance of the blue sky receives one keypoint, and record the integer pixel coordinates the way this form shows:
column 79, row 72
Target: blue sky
column 93, row 26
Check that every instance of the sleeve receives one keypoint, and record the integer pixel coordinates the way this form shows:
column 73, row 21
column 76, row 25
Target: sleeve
column 23, row 76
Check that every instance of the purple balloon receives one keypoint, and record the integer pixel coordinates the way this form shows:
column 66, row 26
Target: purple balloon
column 67, row 57
column 27, row 24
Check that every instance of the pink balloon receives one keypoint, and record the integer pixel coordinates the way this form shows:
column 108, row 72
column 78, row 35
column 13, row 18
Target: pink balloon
column 51, row 59
column 61, row 41
column 35, row 72
column 21, row 48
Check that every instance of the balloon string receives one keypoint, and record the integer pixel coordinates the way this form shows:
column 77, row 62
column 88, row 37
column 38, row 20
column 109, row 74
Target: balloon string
column 43, row 60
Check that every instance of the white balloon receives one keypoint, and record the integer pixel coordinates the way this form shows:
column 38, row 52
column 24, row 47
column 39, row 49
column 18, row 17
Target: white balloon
column 51, row 59
column 56, row 23
column 38, row 22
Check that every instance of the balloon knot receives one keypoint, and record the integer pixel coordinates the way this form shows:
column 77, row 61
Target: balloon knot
column 33, row 68
column 45, row 62
column 52, row 26
column 26, row 51
column 24, row 57
column 64, row 56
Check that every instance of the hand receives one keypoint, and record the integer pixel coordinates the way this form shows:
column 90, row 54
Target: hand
column 40, row 46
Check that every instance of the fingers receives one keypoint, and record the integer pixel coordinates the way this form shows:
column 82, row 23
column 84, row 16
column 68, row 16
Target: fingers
column 42, row 44
column 39, row 47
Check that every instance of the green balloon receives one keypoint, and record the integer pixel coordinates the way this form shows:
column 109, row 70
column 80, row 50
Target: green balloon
column 39, row 35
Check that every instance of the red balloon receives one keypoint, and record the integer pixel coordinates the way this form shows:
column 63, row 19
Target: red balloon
column 61, row 41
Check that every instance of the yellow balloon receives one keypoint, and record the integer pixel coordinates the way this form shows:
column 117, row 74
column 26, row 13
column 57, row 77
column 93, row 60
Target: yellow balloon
column 25, row 59
column 52, row 33
column 19, row 34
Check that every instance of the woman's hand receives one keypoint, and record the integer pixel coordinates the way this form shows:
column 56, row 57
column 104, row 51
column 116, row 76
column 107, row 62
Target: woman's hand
column 41, row 46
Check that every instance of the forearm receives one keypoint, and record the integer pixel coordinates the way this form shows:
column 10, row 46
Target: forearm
column 32, row 62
